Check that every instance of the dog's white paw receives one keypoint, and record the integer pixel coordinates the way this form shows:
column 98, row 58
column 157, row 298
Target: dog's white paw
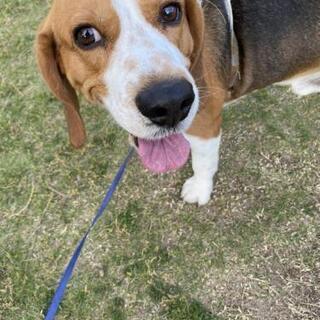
column 197, row 190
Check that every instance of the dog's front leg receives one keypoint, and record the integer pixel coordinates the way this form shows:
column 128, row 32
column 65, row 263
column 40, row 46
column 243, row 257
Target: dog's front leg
column 204, row 137
column 205, row 162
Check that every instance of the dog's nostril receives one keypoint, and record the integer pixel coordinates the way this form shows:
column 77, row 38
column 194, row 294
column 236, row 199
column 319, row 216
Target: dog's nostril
column 186, row 104
column 185, row 111
column 160, row 112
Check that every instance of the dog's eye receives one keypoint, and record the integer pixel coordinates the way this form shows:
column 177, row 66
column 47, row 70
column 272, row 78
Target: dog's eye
column 87, row 37
column 171, row 14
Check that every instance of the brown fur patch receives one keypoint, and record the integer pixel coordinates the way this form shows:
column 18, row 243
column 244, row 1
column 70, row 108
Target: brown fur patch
column 207, row 123
column 84, row 69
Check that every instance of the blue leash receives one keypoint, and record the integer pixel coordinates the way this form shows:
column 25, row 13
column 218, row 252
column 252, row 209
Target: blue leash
column 60, row 291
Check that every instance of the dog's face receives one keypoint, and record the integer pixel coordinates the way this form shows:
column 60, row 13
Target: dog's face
column 133, row 56
column 121, row 52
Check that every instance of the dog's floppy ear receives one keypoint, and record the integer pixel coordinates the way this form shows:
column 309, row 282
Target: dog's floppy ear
column 196, row 23
column 46, row 52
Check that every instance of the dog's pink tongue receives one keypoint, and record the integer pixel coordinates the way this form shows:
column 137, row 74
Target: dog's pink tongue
column 163, row 155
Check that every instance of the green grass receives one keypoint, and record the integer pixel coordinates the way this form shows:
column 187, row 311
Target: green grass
column 252, row 253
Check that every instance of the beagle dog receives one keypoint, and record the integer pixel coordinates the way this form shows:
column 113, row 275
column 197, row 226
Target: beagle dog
column 165, row 69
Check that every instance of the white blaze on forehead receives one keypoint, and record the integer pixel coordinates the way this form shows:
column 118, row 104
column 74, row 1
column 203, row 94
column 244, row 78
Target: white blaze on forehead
column 141, row 52
column 140, row 39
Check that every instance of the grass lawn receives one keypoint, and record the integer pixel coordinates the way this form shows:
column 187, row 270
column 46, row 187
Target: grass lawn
column 252, row 253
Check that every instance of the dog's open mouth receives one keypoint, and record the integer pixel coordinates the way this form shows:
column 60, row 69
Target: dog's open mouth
column 163, row 155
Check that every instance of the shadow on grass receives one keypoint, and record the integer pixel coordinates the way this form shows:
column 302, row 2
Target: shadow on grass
column 176, row 305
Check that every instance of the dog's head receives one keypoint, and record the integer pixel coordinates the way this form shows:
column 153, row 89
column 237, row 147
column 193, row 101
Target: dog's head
column 133, row 56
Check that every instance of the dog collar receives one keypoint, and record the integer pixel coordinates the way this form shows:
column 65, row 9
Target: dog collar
column 234, row 44
column 235, row 58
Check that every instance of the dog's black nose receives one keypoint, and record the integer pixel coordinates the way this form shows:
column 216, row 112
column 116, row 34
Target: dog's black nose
column 166, row 103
